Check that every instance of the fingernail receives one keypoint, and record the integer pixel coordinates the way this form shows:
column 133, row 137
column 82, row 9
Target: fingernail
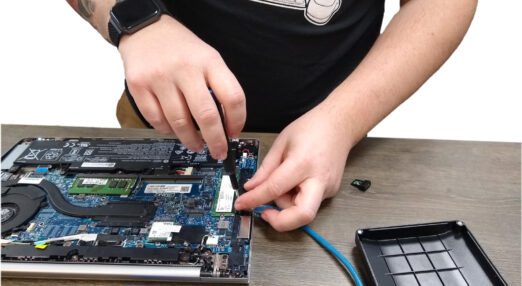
column 238, row 204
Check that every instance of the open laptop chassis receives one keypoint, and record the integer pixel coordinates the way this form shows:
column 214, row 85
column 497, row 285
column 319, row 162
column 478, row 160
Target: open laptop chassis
column 125, row 209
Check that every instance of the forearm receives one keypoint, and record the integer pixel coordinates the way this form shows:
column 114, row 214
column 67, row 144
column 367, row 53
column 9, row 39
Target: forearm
column 418, row 40
column 96, row 12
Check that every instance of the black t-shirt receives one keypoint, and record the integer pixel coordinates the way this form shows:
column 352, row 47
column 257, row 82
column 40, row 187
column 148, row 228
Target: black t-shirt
column 288, row 55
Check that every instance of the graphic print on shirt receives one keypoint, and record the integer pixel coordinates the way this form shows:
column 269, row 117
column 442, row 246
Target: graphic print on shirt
column 317, row 12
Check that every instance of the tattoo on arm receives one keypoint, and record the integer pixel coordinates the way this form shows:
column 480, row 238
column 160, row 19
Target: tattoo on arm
column 83, row 7
column 95, row 12
column 86, row 8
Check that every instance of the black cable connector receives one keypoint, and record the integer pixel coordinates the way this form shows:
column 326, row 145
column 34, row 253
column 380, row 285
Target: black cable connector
column 230, row 165
column 362, row 185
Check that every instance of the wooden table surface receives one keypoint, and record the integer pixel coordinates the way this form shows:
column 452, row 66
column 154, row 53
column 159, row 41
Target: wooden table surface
column 413, row 181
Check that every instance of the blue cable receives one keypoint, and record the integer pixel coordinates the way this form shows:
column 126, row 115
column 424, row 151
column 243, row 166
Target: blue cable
column 324, row 243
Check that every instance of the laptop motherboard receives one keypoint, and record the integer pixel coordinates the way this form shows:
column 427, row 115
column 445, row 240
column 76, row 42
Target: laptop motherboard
column 125, row 202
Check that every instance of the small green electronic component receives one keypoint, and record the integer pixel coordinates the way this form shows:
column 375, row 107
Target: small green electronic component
column 102, row 186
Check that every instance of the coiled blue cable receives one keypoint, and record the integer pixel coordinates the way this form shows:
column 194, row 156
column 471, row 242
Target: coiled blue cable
column 324, row 243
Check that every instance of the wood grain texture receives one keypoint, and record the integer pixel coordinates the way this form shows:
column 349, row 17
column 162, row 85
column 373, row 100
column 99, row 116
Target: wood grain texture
column 413, row 181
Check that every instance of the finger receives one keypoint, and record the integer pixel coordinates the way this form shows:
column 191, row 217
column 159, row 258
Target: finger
column 285, row 201
column 230, row 94
column 271, row 161
column 205, row 112
column 280, row 181
column 150, row 108
column 307, row 202
column 178, row 115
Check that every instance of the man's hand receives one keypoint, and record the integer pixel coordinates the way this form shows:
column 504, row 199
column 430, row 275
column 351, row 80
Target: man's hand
column 304, row 166
column 169, row 71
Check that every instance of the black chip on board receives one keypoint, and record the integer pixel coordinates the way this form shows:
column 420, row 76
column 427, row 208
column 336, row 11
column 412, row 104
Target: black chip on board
column 192, row 234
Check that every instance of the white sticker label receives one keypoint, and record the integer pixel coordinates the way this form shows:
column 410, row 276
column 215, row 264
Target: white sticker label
column 28, row 180
column 212, row 240
column 168, row 188
column 226, row 196
column 98, row 164
column 94, row 181
column 162, row 230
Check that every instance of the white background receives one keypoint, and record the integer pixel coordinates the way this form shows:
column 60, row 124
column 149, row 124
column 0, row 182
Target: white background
column 49, row 56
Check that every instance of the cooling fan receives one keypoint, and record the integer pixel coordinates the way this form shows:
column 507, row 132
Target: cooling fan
column 19, row 205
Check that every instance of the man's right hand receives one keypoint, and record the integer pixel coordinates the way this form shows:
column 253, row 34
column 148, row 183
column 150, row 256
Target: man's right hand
column 169, row 71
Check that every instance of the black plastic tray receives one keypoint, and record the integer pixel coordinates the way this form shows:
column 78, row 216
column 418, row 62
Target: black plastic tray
column 440, row 253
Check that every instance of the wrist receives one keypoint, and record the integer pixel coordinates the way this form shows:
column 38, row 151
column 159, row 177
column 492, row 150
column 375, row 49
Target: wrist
column 129, row 17
column 343, row 114
column 101, row 17
column 128, row 37
column 105, row 18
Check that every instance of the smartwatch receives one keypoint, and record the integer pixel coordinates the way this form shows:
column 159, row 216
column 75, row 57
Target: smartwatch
column 129, row 16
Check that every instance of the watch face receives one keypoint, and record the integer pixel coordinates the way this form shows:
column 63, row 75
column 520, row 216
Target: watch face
column 133, row 13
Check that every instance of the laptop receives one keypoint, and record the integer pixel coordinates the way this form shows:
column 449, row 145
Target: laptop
column 124, row 209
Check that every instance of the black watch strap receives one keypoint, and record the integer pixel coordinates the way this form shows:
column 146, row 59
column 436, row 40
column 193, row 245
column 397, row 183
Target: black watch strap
column 114, row 35
column 116, row 31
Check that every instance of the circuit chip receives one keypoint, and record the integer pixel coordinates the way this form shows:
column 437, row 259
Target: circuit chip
column 102, row 186
column 82, row 228
column 193, row 234
column 223, row 224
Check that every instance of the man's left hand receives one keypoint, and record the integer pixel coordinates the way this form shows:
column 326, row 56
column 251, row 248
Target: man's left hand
column 304, row 166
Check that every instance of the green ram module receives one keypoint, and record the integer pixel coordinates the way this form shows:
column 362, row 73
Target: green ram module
column 102, row 186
